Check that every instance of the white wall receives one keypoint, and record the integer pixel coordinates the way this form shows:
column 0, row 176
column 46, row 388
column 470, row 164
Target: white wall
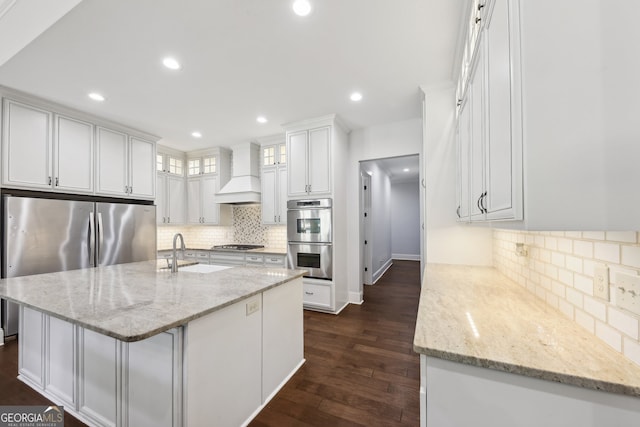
column 380, row 216
column 376, row 142
column 447, row 242
column 405, row 220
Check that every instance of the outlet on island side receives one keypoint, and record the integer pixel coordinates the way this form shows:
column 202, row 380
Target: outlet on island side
column 601, row 282
column 253, row 306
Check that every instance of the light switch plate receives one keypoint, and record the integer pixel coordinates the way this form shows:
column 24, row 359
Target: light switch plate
column 628, row 292
column 601, row 282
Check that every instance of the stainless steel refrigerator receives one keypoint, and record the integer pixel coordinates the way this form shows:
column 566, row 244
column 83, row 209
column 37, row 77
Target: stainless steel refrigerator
column 42, row 235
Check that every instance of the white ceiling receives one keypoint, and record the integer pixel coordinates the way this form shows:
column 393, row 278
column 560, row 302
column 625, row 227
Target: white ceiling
column 241, row 59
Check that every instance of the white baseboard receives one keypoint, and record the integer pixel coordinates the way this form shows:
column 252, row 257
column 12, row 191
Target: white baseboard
column 355, row 298
column 380, row 272
column 406, row 257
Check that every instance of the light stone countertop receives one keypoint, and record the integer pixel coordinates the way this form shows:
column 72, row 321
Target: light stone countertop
column 135, row 301
column 274, row 251
column 477, row 316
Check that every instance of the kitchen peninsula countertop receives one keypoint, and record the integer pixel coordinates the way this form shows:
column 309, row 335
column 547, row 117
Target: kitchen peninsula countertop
column 477, row 316
column 134, row 301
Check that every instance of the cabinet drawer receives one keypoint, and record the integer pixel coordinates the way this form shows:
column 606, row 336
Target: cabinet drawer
column 317, row 295
column 202, row 256
column 274, row 260
column 227, row 258
column 254, row 259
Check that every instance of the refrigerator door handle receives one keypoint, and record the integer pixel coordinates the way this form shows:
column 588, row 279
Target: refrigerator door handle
column 100, row 239
column 92, row 240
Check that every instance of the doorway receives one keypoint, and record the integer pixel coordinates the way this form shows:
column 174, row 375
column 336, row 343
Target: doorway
column 390, row 217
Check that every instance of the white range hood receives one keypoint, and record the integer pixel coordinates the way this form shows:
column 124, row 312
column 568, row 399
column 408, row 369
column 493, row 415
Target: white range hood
column 244, row 186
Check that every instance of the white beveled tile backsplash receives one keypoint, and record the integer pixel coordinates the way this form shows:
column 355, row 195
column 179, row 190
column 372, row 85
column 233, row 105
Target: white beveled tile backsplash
column 247, row 228
column 559, row 269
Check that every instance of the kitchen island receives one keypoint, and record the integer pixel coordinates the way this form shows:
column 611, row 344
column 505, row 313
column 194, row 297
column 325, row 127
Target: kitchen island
column 493, row 354
column 135, row 345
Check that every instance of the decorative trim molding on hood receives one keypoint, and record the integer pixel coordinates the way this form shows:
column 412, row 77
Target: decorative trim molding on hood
column 244, row 186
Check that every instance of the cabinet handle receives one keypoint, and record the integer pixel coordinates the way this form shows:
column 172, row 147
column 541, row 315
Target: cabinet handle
column 168, row 219
column 480, row 6
column 482, row 202
column 57, row 181
column 308, row 293
column 164, row 219
column 130, row 190
column 49, row 180
column 458, row 211
column 278, row 218
column 478, row 20
column 478, row 204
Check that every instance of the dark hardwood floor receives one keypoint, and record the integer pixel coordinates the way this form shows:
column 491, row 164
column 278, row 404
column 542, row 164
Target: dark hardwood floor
column 360, row 369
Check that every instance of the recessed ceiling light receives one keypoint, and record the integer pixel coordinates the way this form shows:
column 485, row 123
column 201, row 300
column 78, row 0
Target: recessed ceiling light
column 171, row 63
column 356, row 96
column 262, row 119
column 196, row 134
column 405, row 170
column 96, row 96
column 302, row 7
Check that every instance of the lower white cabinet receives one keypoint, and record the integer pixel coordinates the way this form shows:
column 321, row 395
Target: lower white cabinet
column 152, row 374
column 60, row 360
column 98, row 377
column 318, row 294
column 218, row 370
column 31, row 346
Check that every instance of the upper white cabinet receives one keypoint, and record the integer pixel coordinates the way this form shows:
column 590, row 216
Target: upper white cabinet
column 207, row 172
column 46, row 151
column 170, row 195
column 489, row 125
column 126, row 165
column 52, row 148
column 309, row 170
column 274, row 184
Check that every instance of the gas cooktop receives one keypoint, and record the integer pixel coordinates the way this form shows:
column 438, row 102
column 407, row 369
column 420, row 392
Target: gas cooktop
column 238, row 247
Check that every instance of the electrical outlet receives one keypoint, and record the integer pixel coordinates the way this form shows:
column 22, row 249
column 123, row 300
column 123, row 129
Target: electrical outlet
column 628, row 292
column 253, row 306
column 601, row 282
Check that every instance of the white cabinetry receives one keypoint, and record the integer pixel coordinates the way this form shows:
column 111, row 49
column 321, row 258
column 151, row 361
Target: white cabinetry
column 98, row 377
column 31, row 346
column 309, row 162
column 26, row 148
column 201, row 207
column 170, row 200
column 489, row 124
column 46, row 151
column 60, row 360
column 126, row 165
column 151, row 374
column 207, row 172
column 274, row 184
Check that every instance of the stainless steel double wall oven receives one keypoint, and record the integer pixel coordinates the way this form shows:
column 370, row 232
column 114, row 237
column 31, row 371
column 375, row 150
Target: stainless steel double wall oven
column 309, row 232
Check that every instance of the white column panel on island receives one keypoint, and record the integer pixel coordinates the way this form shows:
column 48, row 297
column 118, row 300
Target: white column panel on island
column 31, row 347
column 60, row 360
column 98, row 377
column 282, row 336
column 152, row 373
column 223, row 365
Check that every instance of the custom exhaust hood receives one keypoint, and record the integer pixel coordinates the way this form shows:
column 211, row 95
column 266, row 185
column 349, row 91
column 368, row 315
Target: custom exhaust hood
column 244, row 186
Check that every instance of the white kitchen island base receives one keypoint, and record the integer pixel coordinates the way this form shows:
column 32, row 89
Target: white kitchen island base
column 219, row 369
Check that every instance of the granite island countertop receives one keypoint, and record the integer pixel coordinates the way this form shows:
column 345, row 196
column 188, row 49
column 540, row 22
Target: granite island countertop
column 477, row 316
column 134, row 301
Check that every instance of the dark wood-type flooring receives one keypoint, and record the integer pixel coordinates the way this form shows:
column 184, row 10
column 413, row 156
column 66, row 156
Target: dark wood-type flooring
column 360, row 369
